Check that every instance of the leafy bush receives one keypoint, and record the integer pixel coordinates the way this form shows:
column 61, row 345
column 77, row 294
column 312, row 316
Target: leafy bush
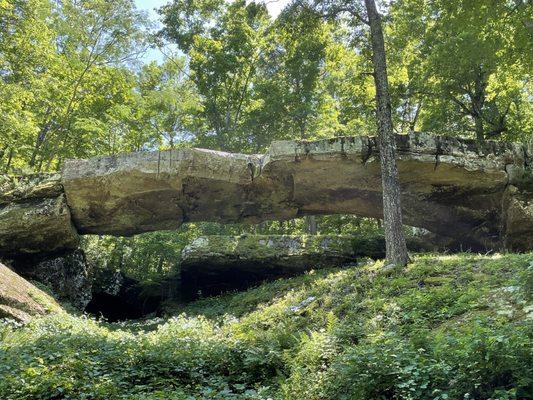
column 481, row 362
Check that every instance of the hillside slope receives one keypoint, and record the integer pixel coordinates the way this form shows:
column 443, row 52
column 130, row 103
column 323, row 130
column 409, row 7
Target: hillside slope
column 448, row 327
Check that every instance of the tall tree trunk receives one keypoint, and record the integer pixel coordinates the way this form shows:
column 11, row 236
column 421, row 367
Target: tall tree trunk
column 396, row 248
column 478, row 124
column 478, row 101
column 41, row 137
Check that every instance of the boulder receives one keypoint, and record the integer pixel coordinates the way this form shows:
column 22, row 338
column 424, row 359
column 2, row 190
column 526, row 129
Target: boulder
column 214, row 264
column 20, row 299
column 34, row 216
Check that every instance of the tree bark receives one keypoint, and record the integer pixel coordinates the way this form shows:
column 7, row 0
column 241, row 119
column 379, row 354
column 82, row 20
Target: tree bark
column 396, row 249
column 311, row 225
column 9, row 159
column 478, row 100
column 478, row 124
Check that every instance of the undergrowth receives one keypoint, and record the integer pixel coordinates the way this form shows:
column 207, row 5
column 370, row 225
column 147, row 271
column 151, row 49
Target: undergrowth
column 447, row 327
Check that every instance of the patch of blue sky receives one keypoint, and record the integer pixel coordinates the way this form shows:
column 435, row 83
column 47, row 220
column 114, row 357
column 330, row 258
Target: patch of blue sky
column 151, row 6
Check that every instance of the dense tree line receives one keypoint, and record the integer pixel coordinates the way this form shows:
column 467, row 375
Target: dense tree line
column 72, row 83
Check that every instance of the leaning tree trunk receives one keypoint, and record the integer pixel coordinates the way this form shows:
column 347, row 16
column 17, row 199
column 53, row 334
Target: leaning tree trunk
column 396, row 248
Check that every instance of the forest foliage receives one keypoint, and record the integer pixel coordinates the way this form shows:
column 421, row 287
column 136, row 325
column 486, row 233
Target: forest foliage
column 73, row 84
column 450, row 327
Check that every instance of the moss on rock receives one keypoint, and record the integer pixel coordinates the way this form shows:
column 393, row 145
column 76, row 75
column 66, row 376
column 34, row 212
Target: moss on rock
column 20, row 299
column 214, row 264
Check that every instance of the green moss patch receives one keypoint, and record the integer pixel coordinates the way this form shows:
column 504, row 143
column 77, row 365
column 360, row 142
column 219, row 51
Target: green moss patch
column 20, row 299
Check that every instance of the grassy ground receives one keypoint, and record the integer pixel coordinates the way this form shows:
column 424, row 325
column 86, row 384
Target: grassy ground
column 448, row 327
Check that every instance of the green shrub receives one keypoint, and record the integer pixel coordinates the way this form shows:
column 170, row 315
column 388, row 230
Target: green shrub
column 485, row 361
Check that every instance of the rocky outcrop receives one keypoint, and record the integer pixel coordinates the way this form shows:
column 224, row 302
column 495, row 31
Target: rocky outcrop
column 20, row 299
column 452, row 187
column 214, row 264
column 66, row 274
column 34, row 216
column 38, row 236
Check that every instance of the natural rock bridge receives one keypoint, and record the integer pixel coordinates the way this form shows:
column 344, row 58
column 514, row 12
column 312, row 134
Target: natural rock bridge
column 477, row 195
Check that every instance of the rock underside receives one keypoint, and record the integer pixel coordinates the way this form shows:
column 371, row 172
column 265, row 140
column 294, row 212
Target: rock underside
column 20, row 299
column 451, row 187
column 478, row 196
column 215, row 264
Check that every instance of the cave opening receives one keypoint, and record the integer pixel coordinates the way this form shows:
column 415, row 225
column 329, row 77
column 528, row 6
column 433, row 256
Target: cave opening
column 132, row 301
column 116, row 308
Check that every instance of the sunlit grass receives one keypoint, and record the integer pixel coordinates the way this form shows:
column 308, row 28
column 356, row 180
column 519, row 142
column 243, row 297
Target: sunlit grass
column 460, row 323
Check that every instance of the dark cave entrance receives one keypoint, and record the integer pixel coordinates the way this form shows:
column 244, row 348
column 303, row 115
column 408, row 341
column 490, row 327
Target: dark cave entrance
column 132, row 301
column 116, row 308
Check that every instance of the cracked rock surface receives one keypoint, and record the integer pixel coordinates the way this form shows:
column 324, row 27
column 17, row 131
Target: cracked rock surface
column 479, row 196
column 34, row 216
column 452, row 187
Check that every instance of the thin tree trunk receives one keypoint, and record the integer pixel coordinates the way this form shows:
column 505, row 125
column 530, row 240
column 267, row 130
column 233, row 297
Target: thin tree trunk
column 396, row 249
column 9, row 159
column 41, row 137
column 478, row 100
column 412, row 125
column 478, row 124
column 311, row 225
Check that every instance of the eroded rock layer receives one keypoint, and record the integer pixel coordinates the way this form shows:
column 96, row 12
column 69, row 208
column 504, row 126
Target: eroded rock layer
column 214, row 264
column 34, row 216
column 66, row 274
column 450, row 186
column 479, row 196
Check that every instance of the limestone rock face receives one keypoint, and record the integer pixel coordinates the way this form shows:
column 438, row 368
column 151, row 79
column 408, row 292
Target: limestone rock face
column 67, row 275
column 214, row 264
column 450, row 186
column 34, row 216
column 20, row 300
